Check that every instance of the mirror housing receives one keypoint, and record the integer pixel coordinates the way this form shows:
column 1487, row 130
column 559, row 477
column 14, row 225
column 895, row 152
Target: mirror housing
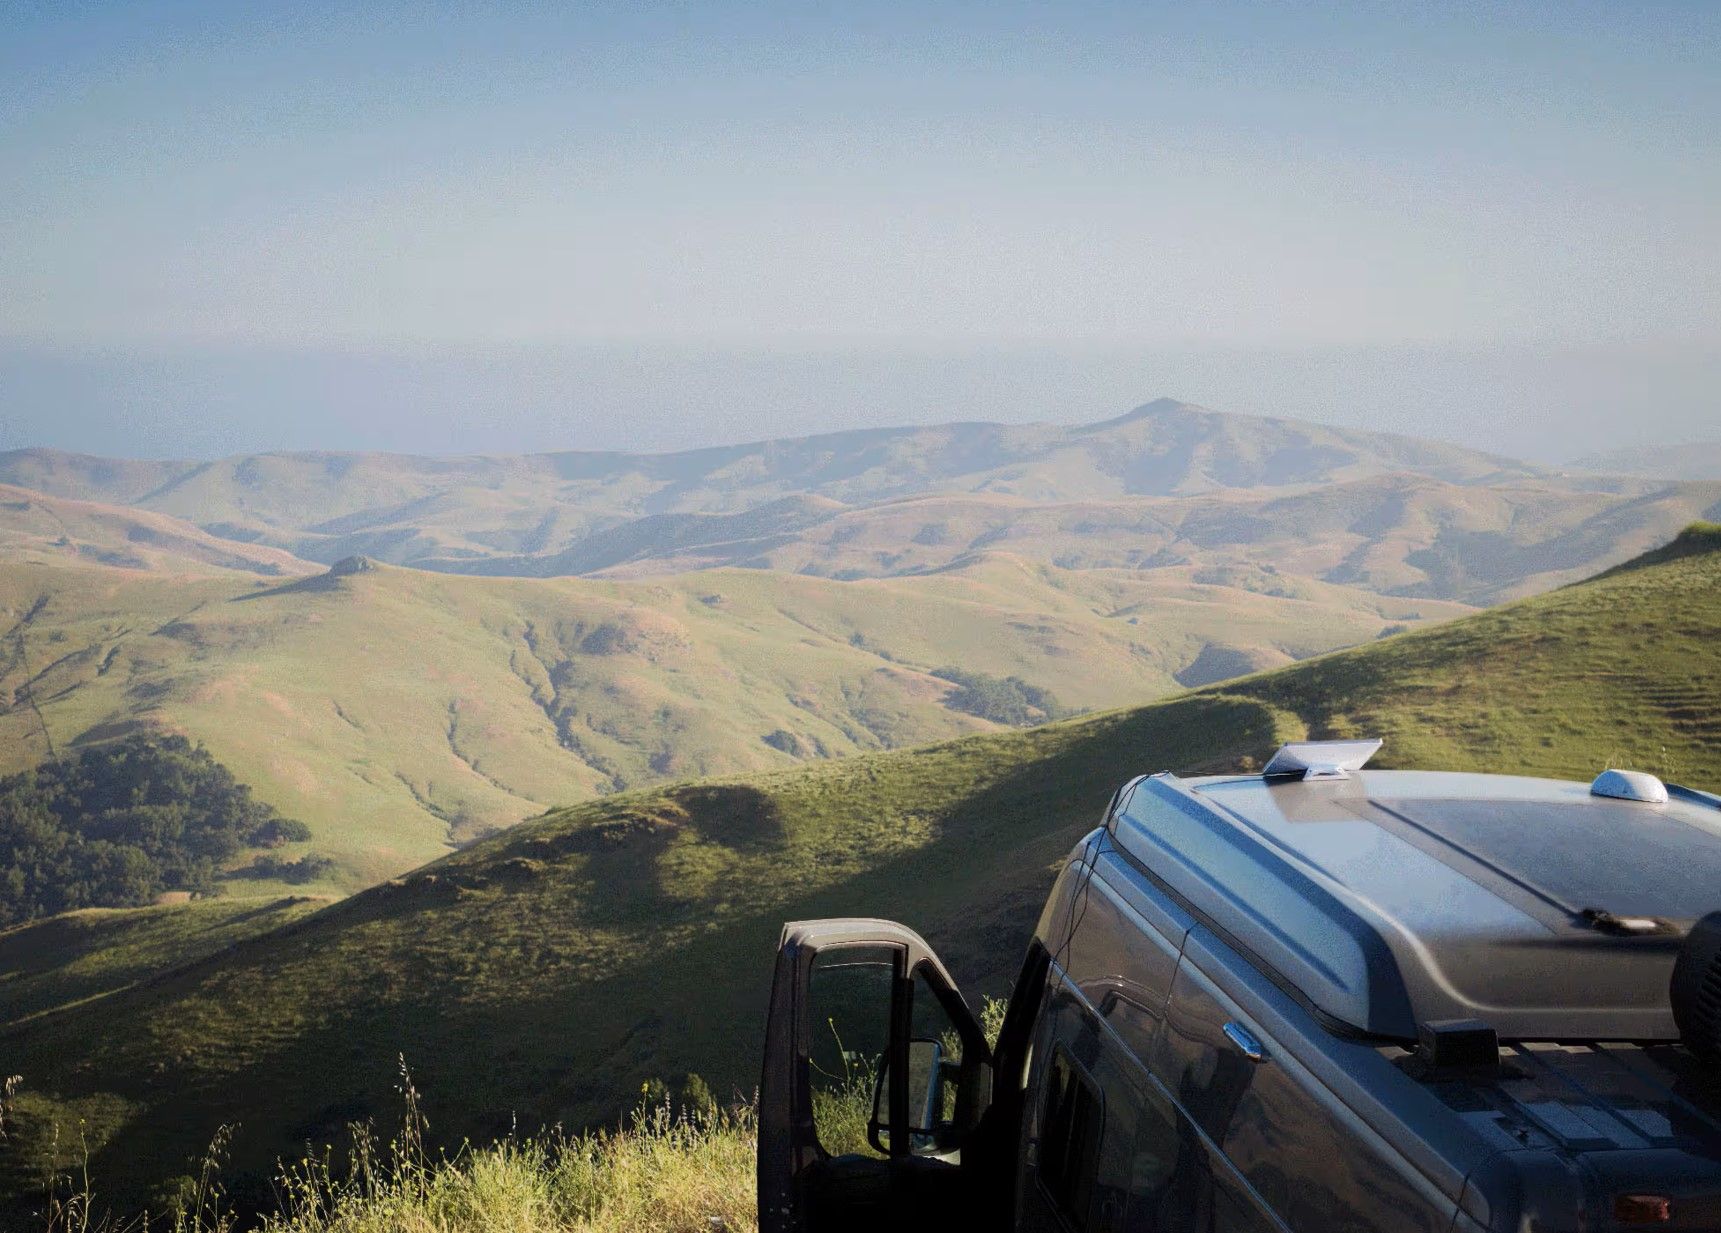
column 929, row 1074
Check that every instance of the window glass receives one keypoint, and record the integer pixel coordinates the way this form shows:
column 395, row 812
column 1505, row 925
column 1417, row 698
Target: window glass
column 1234, row 1213
column 934, row 1071
column 849, row 1000
column 1070, row 1128
column 1142, row 1147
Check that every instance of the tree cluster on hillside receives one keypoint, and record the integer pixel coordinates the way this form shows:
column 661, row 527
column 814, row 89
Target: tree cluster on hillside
column 1001, row 699
column 116, row 825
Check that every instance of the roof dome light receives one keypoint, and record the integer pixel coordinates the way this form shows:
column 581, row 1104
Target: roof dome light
column 1630, row 786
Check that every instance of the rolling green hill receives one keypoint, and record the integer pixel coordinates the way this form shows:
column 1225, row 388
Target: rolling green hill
column 400, row 713
column 49, row 965
column 548, row 971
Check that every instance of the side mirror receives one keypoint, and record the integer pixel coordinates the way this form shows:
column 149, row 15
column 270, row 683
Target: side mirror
column 930, row 1076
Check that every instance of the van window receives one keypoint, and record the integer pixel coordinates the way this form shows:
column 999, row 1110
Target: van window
column 1072, row 1121
column 849, row 1000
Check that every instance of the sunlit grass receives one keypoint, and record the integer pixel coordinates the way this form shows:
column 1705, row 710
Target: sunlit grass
column 669, row 1169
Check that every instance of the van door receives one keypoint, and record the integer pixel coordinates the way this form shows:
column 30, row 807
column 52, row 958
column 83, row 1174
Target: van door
column 876, row 1073
column 1305, row 1155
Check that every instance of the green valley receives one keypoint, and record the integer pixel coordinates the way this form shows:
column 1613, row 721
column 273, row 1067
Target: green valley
column 400, row 713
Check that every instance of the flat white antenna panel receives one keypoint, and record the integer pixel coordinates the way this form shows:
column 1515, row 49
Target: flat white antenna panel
column 1321, row 759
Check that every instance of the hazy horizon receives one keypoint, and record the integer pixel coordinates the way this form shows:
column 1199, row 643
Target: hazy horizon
column 534, row 227
column 1548, row 407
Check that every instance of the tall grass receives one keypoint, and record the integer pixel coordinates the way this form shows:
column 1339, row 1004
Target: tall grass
column 667, row 1172
column 676, row 1166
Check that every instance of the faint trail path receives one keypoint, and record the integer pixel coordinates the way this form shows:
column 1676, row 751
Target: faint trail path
column 19, row 634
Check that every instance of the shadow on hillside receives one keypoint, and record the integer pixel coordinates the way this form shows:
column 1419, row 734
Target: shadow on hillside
column 738, row 816
column 333, row 579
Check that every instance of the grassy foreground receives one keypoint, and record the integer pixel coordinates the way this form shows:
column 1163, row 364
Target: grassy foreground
column 660, row 1175
column 669, row 1169
column 678, row 1164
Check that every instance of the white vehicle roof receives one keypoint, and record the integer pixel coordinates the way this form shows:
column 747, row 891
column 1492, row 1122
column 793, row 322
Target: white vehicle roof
column 1385, row 899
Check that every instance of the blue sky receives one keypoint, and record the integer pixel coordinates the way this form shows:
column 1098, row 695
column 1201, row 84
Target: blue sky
column 516, row 226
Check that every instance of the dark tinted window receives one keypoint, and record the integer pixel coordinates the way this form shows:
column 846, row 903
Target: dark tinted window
column 1071, row 1124
column 849, row 1004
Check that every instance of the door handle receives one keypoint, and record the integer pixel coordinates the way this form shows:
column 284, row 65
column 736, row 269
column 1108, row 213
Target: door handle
column 1246, row 1041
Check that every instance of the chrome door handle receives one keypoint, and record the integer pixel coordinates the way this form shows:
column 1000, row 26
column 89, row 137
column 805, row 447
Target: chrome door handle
column 1246, row 1041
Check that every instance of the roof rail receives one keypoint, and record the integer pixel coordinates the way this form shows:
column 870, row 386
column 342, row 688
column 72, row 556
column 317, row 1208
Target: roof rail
column 1320, row 759
column 1695, row 795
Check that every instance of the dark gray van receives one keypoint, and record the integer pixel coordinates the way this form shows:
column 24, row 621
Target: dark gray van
column 1321, row 998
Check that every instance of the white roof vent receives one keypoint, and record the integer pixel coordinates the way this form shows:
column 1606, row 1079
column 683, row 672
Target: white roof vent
column 1321, row 759
column 1630, row 786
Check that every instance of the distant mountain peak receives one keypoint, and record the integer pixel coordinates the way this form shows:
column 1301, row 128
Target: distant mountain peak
column 767, row 503
column 1151, row 410
column 1161, row 406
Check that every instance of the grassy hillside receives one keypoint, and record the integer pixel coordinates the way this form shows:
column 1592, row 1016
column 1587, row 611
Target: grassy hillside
column 399, row 713
column 81, row 957
column 547, row 972
column 1698, row 539
column 37, row 529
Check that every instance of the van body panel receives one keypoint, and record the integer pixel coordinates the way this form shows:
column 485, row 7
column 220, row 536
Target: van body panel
column 1157, row 910
column 1057, row 917
column 1529, row 1189
column 1122, row 964
column 1362, row 1075
column 1303, row 1149
column 1155, row 1169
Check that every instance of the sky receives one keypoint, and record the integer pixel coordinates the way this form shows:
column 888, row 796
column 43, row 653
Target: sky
column 496, row 227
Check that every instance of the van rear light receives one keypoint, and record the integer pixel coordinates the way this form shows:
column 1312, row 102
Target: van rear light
column 1642, row 1209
